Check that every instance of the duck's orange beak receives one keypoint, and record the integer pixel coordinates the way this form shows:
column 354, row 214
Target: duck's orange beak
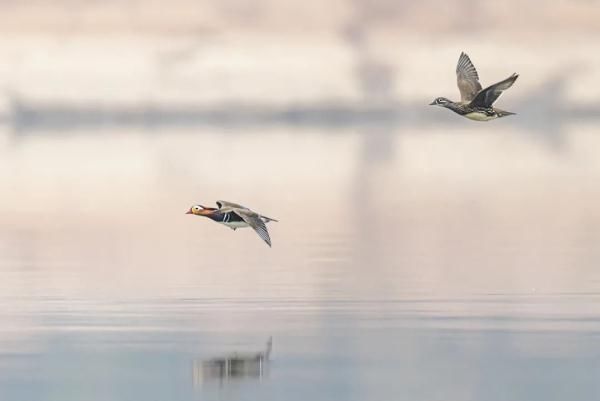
column 189, row 212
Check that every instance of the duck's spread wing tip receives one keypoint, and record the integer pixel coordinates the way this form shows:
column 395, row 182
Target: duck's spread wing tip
column 465, row 64
column 256, row 223
column 489, row 95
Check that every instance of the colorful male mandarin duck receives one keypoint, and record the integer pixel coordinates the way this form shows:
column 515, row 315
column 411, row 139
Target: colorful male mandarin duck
column 235, row 216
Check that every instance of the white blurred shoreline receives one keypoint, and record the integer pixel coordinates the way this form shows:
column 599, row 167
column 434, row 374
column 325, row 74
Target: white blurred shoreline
column 512, row 17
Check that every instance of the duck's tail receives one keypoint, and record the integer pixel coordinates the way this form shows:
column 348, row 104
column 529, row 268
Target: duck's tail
column 504, row 113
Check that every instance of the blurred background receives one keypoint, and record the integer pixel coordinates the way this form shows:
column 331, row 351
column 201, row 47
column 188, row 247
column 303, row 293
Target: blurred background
column 419, row 255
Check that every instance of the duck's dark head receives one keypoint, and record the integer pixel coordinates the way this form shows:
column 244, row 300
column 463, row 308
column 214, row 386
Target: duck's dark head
column 200, row 210
column 440, row 101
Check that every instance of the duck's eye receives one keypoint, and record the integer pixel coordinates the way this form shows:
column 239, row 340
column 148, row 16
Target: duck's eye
column 196, row 208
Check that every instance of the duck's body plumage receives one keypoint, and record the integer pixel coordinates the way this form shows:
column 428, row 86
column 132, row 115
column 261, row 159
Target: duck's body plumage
column 235, row 216
column 229, row 219
column 476, row 103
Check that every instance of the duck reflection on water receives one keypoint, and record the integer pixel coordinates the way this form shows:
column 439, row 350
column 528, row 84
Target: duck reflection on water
column 235, row 365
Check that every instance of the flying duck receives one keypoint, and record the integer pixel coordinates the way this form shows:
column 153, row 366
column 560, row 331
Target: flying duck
column 475, row 103
column 235, row 216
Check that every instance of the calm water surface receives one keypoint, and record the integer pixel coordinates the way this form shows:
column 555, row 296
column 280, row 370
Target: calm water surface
column 408, row 264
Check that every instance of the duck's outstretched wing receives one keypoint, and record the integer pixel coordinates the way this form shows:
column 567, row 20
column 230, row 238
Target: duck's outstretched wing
column 489, row 95
column 228, row 206
column 256, row 222
column 467, row 78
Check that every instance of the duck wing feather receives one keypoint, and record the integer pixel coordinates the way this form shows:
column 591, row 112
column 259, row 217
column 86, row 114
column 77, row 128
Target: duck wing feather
column 467, row 78
column 255, row 221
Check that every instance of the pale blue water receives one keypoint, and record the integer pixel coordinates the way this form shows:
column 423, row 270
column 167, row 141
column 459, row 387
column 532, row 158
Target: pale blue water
column 407, row 265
